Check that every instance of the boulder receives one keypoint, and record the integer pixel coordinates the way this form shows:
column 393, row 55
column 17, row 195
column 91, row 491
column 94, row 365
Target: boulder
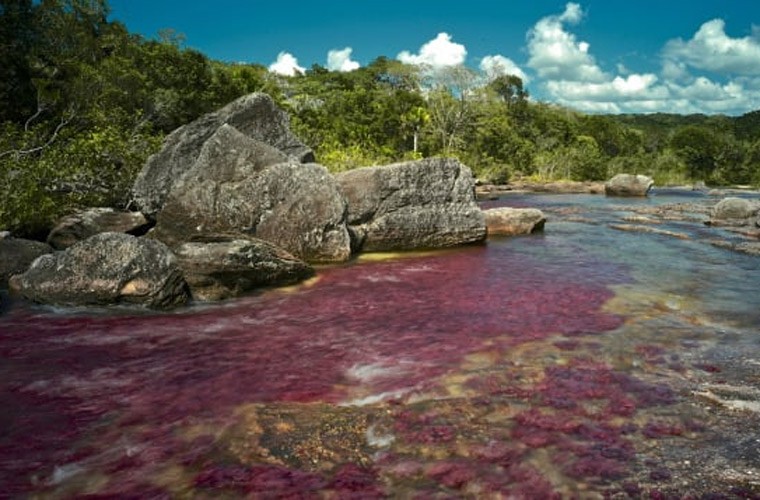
column 225, row 266
column 108, row 268
column 628, row 185
column 86, row 223
column 514, row 221
column 16, row 255
column 422, row 204
column 733, row 212
column 241, row 185
column 255, row 116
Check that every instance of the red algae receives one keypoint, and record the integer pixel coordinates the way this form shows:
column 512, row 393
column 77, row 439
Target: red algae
column 75, row 385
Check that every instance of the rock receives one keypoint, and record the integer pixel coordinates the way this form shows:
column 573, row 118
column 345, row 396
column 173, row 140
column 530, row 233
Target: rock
column 255, row 116
column 16, row 255
column 235, row 187
column 628, row 185
column 221, row 267
column 513, row 221
column 648, row 229
column 108, row 268
column 86, row 223
column 559, row 187
column 733, row 211
column 422, row 204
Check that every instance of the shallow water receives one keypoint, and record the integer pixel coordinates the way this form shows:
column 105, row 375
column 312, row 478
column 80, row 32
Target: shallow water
column 583, row 361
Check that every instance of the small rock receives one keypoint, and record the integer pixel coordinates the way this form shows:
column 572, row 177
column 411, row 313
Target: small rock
column 86, row 223
column 16, row 255
column 628, row 185
column 221, row 267
column 513, row 221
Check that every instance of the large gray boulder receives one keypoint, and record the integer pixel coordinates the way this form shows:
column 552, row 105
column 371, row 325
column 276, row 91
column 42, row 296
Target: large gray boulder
column 254, row 115
column 506, row 221
column 421, row 204
column 16, row 255
column 226, row 266
column 83, row 224
column 241, row 185
column 628, row 185
column 108, row 268
column 734, row 211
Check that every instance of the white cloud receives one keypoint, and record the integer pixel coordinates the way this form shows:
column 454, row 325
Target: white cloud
column 498, row 65
column 439, row 52
column 286, row 65
column 340, row 60
column 713, row 50
column 557, row 54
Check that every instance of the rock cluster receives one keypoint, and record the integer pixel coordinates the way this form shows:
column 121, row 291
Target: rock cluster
column 238, row 203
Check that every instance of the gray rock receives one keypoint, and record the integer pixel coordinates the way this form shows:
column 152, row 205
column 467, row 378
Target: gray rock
column 86, row 223
column 254, row 115
column 16, row 255
column 514, row 221
column 628, row 185
column 234, row 187
column 734, row 209
column 221, row 267
column 108, row 268
column 423, row 204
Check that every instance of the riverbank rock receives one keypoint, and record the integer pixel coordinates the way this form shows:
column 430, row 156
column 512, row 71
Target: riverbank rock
column 16, row 255
column 242, row 185
column 86, row 223
column 108, row 268
column 221, row 267
column 508, row 221
column 733, row 212
column 628, row 185
column 255, row 116
column 421, row 204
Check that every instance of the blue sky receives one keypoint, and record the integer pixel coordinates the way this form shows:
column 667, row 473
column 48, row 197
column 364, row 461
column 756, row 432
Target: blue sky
column 594, row 55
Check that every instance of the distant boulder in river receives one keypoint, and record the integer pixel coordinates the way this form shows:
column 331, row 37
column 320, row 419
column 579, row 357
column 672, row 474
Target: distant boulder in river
column 428, row 203
column 628, row 185
column 254, row 115
column 734, row 211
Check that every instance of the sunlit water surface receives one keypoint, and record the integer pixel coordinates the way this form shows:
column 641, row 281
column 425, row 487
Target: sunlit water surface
column 583, row 362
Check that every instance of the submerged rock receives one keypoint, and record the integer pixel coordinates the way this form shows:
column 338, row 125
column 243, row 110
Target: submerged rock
column 108, row 268
column 16, row 255
column 86, row 223
column 255, row 116
column 227, row 266
column 628, row 185
column 241, row 185
column 422, row 204
column 513, row 221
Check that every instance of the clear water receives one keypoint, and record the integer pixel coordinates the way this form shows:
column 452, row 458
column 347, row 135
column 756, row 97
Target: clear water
column 584, row 361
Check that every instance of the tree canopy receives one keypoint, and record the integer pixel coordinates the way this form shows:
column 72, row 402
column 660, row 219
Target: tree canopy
column 83, row 103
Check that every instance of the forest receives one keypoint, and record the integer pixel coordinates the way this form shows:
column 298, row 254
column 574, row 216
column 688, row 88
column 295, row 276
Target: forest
column 83, row 103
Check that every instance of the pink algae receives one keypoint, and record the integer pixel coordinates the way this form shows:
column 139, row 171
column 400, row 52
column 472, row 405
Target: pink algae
column 73, row 385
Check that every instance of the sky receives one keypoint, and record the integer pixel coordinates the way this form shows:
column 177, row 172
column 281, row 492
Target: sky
column 597, row 56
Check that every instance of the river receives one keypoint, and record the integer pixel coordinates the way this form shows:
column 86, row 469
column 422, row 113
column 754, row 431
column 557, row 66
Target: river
column 583, row 361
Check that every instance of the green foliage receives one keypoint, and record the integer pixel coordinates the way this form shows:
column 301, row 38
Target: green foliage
column 83, row 103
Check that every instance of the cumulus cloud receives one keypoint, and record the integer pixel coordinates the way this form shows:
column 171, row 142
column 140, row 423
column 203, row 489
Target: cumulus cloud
column 557, row 54
column 438, row 52
column 340, row 60
column 498, row 65
column 286, row 65
column 713, row 50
